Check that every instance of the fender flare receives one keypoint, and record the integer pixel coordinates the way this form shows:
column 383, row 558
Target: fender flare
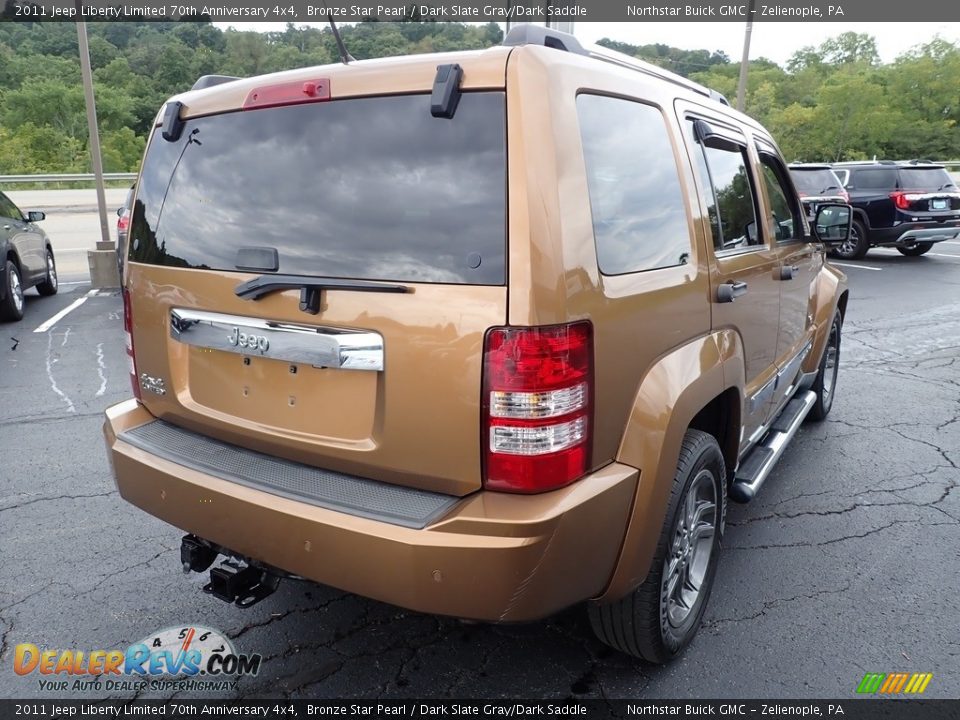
column 673, row 391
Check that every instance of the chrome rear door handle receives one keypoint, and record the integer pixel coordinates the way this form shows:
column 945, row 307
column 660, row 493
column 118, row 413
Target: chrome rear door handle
column 729, row 291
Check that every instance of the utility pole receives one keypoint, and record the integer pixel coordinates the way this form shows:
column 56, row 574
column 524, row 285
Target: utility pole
column 745, row 60
column 102, row 261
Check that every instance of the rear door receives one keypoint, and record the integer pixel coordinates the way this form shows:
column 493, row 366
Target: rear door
column 800, row 263
column 745, row 266
column 391, row 223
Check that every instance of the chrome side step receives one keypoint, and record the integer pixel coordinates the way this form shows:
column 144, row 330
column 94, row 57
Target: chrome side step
column 756, row 467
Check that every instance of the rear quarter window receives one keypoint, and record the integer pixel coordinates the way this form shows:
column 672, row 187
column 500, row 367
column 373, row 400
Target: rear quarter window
column 639, row 217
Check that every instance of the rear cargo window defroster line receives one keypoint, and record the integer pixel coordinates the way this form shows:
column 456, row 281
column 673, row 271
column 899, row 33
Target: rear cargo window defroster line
column 407, row 507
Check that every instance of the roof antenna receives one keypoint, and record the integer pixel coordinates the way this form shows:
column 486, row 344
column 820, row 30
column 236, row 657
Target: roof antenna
column 345, row 57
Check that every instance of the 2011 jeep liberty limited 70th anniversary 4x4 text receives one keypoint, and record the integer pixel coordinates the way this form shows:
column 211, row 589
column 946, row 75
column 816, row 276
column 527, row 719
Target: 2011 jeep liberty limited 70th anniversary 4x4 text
column 484, row 335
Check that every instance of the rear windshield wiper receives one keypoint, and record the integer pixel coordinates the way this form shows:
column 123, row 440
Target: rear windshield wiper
column 829, row 187
column 310, row 288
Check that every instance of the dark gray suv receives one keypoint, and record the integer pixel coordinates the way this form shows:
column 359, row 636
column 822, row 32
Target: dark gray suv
column 27, row 258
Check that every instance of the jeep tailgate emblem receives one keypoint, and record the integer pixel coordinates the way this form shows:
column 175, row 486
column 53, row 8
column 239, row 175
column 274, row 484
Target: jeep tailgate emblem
column 248, row 340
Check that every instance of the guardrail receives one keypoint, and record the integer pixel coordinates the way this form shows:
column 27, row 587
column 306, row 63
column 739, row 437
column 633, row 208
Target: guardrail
column 65, row 177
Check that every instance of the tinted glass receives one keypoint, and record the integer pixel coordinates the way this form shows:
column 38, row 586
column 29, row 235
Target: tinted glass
column 785, row 220
column 639, row 218
column 815, row 182
column 8, row 209
column 875, row 179
column 735, row 206
column 372, row 188
column 925, row 179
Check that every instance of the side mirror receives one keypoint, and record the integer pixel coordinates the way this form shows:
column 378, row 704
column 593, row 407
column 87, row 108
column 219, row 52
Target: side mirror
column 36, row 216
column 832, row 224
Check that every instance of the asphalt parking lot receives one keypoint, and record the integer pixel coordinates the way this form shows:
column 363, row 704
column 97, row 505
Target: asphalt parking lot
column 846, row 563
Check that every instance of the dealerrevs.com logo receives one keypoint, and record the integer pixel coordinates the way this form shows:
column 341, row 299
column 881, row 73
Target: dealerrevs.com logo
column 179, row 658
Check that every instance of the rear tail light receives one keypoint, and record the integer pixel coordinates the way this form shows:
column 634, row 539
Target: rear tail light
column 902, row 199
column 128, row 332
column 124, row 222
column 845, row 195
column 537, row 406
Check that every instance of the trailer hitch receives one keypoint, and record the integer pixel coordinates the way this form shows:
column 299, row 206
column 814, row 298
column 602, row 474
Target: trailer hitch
column 236, row 581
column 244, row 587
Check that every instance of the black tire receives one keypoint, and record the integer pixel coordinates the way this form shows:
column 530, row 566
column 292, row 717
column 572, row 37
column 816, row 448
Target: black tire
column 641, row 624
column 11, row 307
column 825, row 386
column 51, row 283
column 856, row 246
column 915, row 251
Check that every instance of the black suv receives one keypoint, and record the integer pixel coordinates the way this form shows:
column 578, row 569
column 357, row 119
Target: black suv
column 906, row 205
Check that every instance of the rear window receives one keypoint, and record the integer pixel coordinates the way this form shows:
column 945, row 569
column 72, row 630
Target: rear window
column 815, row 182
column 925, row 179
column 370, row 188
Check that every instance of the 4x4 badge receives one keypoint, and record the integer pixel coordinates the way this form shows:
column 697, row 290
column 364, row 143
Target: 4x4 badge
column 248, row 340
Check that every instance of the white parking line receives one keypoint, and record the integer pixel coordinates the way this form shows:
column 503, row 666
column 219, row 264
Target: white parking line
column 956, row 257
column 862, row 267
column 63, row 313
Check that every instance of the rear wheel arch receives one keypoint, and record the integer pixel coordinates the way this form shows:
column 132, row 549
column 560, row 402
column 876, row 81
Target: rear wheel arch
column 842, row 304
column 675, row 391
column 721, row 418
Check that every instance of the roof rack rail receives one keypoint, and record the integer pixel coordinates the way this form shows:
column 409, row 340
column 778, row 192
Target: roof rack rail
column 205, row 81
column 527, row 34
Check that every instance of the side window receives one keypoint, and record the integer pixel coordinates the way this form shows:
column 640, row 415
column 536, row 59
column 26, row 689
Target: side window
column 875, row 179
column 639, row 217
column 785, row 212
column 8, row 209
column 730, row 196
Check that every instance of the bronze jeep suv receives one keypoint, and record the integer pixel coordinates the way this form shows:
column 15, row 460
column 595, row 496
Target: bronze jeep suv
column 485, row 334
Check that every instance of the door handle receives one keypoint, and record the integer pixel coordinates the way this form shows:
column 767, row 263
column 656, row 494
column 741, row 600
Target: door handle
column 787, row 271
column 728, row 291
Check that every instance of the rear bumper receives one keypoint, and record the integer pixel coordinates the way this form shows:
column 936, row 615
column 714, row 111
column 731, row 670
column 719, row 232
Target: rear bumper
column 910, row 234
column 492, row 557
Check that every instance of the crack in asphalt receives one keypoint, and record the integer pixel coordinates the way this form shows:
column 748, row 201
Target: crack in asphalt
column 834, row 541
column 6, row 633
column 54, row 498
column 770, row 604
column 849, row 508
column 104, row 578
column 276, row 617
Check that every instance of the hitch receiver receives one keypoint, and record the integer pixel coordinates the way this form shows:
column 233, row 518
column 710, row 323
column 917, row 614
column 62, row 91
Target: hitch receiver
column 244, row 587
column 195, row 554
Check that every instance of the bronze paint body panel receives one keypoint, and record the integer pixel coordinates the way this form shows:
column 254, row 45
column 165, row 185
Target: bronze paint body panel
column 664, row 350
